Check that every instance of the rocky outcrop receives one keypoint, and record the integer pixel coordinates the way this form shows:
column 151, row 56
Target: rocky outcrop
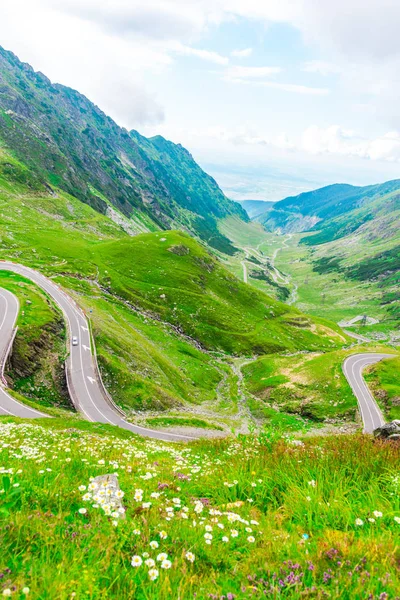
column 35, row 364
column 109, row 483
column 388, row 431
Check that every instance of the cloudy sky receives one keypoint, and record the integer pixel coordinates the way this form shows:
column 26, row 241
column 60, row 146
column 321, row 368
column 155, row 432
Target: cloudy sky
column 271, row 96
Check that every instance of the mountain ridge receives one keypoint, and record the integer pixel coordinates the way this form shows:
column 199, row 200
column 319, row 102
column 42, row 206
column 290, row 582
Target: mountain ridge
column 311, row 211
column 72, row 144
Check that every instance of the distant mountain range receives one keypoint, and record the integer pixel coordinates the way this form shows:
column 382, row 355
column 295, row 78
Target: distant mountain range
column 255, row 208
column 71, row 144
column 313, row 210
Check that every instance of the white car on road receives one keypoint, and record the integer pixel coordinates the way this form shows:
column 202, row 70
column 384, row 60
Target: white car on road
column 74, row 340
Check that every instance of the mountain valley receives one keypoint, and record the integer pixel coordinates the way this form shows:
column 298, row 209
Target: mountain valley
column 199, row 397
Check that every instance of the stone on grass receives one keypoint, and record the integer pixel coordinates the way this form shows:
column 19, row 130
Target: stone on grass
column 388, row 429
column 110, row 481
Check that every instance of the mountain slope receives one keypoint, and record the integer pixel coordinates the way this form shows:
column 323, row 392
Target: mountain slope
column 312, row 209
column 71, row 144
column 364, row 246
column 353, row 232
column 377, row 218
column 166, row 315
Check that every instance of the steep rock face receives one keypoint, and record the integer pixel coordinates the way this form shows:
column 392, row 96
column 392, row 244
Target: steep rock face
column 70, row 143
column 34, row 367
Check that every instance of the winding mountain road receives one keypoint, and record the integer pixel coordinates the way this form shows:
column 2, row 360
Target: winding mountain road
column 9, row 308
column 353, row 368
column 85, row 386
column 86, row 389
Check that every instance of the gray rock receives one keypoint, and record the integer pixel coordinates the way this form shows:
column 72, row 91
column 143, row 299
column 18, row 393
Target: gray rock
column 388, row 429
column 110, row 481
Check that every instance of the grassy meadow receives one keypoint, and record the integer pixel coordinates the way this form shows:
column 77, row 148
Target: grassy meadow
column 312, row 385
column 384, row 380
column 252, row 517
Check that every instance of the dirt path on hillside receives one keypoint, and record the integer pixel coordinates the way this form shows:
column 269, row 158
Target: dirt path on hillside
column 278, row 277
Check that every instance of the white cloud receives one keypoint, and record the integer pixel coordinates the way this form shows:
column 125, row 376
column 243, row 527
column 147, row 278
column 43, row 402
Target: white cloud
column 157, row 19
column 322, row 67
column 332, row 140
column 207, row 55
column 336, row 140
column 356, row 29
column 293, row 88
column 296, row 89
column 245, row 53
column 135, row 106
column 244, row 135
column 257, row 76
column 249, row 137
column 238, row 72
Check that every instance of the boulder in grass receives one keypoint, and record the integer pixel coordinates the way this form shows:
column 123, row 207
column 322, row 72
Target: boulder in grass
column 110, row 482
column 388, row 429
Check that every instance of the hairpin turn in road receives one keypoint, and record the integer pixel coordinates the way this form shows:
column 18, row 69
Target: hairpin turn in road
column 85, row 386
column 83, row 378
column 353, row 368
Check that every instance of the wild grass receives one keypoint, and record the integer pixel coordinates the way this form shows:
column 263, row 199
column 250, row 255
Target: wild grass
column 171, row 421
column 252, row 517
column 384, row 379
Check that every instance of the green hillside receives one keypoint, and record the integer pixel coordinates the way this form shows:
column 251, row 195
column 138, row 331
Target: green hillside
column 377, row 219
column 72, row 145
column 363, row 247
column 167, row 316
column 347, row 264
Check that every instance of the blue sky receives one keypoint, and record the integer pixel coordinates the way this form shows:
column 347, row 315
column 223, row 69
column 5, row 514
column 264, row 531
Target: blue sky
column 270, row 96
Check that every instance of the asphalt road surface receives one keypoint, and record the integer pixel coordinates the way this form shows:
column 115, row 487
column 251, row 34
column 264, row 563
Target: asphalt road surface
column 84, row 382
column 353, row 367
column 9, row 308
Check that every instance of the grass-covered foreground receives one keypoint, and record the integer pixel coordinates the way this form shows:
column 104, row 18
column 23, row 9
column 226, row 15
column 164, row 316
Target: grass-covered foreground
column 239, row 518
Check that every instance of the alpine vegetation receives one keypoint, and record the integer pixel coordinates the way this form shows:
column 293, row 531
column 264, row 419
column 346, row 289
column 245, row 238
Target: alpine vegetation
column 252, row 517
